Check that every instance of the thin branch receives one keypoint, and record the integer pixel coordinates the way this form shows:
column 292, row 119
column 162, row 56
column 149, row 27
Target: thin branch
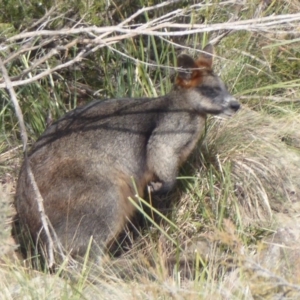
column 108, row 37
column 40, row 202
column 8, row 85
column 161, row 26
column 38, row 196
column 248, row 25
column 146, row 9
column 36, row 64
column 47, row 72
column 28, row 49
column 42, row 19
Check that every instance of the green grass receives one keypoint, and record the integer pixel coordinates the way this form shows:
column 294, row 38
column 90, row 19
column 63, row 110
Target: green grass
column 237, row 197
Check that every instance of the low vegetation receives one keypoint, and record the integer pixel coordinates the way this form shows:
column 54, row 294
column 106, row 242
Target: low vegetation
column 230, row 229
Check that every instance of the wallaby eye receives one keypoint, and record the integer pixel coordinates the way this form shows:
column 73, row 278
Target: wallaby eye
column 210, row 91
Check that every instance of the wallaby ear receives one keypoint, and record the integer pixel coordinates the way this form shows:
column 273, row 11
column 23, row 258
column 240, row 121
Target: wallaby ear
column 186, row 63
column 206, row 57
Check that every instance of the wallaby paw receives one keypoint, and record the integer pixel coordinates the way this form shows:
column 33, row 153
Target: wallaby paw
column 155, row 186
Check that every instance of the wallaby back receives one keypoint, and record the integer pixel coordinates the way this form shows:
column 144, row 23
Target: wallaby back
column 84, row 163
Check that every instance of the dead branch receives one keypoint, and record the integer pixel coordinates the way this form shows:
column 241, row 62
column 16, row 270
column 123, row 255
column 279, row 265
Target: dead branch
column 35, row 64
column 40, row 202
column 39, row 198
column 8, row 85
column 28, row 49
column 47, row 72
column 259, row 24
column 107, row 38
column 92, row 38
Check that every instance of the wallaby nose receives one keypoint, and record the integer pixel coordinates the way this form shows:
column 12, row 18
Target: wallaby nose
column 234, row 105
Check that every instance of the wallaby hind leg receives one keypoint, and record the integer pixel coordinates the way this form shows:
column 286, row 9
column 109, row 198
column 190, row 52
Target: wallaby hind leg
column 98, row 213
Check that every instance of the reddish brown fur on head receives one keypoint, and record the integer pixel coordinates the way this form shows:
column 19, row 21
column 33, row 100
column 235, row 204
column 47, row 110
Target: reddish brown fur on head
column 193, row 71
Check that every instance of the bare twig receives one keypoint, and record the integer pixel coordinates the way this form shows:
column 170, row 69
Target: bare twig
column 36, row 64
column 28, row 49
column 248, row 25
column 93, row 38
column 40, row 202
column 39, row 198
column 47, row 72
column 41, row 20
column 8, row 85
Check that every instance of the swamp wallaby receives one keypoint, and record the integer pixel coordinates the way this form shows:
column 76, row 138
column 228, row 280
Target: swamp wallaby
column 84, row 163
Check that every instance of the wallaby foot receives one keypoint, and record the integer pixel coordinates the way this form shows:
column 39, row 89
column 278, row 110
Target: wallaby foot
column 160, row 187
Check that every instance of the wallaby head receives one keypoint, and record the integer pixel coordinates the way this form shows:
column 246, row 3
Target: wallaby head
column 205, row 91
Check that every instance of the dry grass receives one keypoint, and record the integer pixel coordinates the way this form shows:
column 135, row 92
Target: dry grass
column 265, row 162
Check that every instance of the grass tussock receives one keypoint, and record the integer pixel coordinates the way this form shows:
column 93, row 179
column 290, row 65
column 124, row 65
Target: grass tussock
column 264, row 162
column 230, row 229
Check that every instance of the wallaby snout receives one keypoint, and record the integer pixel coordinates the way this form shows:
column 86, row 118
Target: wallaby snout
column 231, row 106
column 234, row 105
column 84, row 163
